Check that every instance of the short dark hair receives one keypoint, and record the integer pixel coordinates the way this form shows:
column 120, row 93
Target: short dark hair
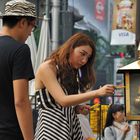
column 113, row 108
column 11, row 21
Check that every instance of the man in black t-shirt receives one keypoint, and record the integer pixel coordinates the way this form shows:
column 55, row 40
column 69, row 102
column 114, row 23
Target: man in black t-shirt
column 15, row 71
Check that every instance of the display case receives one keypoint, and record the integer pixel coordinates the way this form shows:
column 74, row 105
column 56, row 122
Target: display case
column 132, row 89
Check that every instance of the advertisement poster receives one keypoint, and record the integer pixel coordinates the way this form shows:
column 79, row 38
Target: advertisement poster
column 124, row 22
column 100, row 9
column 97, row 16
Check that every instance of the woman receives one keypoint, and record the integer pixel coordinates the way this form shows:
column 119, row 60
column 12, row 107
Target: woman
column 116, row 128
column 59, row 80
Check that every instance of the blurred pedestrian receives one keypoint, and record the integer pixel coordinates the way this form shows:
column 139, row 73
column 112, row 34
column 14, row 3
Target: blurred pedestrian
column 116, row 127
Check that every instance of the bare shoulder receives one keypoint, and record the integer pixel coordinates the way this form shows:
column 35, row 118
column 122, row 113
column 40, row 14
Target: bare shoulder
column 45, row 71
column 46, row 67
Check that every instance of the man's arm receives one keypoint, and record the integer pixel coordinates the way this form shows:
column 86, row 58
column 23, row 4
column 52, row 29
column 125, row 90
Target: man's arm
column 23, row 108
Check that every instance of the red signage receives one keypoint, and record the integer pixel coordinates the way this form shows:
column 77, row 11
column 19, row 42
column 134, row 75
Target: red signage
column 100, row 9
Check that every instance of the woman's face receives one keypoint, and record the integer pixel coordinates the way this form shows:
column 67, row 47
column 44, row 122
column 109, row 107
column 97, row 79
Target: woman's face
column 80, row 55
column 119, row 116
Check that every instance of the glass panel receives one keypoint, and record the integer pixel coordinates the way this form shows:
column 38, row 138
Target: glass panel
column 118, row 100
column 135, row 94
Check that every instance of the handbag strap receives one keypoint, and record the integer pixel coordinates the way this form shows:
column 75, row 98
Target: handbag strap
column 113, row 132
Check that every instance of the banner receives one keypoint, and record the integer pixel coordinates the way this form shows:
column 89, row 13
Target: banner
column 124, row 22
column 100, row 9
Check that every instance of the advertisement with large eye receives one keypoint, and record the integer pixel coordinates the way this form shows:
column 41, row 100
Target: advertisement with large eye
column 97, row 15
column 124, row 22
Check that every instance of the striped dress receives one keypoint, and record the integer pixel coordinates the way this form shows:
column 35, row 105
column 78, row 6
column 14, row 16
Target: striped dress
column 54, row 121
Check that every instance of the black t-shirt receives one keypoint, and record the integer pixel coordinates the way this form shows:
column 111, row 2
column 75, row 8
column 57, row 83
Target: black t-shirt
column 15, row 63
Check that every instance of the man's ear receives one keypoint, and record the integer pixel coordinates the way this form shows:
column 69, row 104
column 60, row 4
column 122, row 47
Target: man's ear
column 22, row 23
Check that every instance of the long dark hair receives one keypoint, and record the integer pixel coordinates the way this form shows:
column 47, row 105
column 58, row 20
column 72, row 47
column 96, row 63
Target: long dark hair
column 61, row 58
column 111, row 110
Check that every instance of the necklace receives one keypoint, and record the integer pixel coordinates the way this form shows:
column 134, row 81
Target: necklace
column 79, row 74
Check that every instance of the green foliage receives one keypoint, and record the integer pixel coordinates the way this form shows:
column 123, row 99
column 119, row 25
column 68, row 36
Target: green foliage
column 37, row 35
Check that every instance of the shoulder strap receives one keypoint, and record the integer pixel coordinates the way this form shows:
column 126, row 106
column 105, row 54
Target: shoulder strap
column 113, row 131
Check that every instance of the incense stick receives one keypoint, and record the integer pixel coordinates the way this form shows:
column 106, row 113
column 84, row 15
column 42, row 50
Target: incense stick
column 119, row 86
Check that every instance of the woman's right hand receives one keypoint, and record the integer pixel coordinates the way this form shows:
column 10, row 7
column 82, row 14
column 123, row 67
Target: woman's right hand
column 126, row 128
column 106, row 90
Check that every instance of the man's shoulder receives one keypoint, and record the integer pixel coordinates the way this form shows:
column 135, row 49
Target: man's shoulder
column 7, row 40
column 10, row 42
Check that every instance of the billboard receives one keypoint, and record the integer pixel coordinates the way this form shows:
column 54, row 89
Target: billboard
column 100, row 10
column 124, row 22
column 96, row 17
